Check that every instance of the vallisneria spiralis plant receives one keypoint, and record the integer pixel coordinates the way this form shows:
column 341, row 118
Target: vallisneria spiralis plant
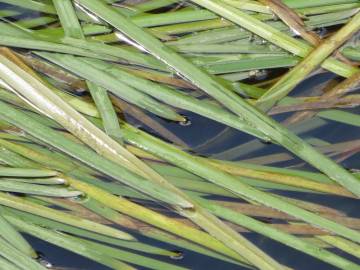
column 173, row 135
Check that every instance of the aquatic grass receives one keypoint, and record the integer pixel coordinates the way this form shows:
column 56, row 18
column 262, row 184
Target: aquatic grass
column 86, row 201
column 272, row 177
column 343, row 244
column 252, row 63
column 312, row 207
column 46, row 45
column 225, row 48
column 110, row 51
column 350, row 101
column 258, row 176
column 179, row 179
column 315, row 3
column 72, row 28
column 118, row 88
column 277, row 235
column 292, row 19
column 257, row 211
column 16, row 257
column 194, row 14
column 300, row 7
column 200, row 168
column 148, row 216
column 157, row 186
column 15, row 37
column 36, row 189
column 154, row 233
column 23, row 205
column 133, row 258
column 327, row 9
column 55, row 139
column 9, row 13
column 273, row 35
column 13, row 237
column 148, row 121
column 32, row 5
column 80, row 105
column 294, row 181
column 162, row 93
column 114, row 258
column 10, row 158
column 88, row 29
column 308, row 64
column 338, row 91
column 68, row 19
column 353, row 53
column 79, row 126
column 135, row 246
column 40, row 181
column 107, row 111
column 227, row 32
column 25, row 172
column 215, row 226
column 341, row 117
column 67, row 242
column 246, row 112
column 150, row 5
column 45, row 161
column 36, row 22
column 31, row 140
column 6, row 264
column 149, row 20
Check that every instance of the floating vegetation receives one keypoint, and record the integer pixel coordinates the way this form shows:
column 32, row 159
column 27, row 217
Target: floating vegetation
column 102, row 104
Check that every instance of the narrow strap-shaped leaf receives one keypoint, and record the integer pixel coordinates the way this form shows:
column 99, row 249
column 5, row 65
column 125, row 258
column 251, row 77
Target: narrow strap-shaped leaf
column 14, row 37
column 343, row 244
column 233, row 102
column 55, row 225
column 160, row 92
column 72, row 28
column 24, row 205
column 64, row 241
column 25, row 172
column 273, row 35
column 10, row 234
column 27, row 43
column 115, row 86
column 6, row 264
column 19, row 259
column 48, row 158
column 107, row 111
column 158, row 188
column 32, row 5
column 39, row 181
column 307, row 65
column 68, row 19
column 200, row 168
column 46, row 101
column 35, row 189
column 277, row 235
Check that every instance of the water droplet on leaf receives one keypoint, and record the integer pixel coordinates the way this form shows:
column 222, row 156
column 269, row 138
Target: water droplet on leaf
column 178, row 255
